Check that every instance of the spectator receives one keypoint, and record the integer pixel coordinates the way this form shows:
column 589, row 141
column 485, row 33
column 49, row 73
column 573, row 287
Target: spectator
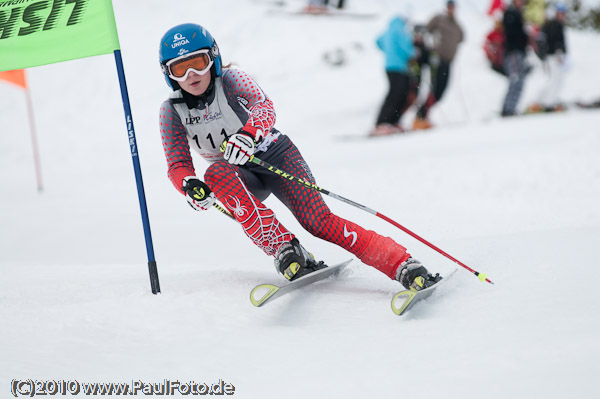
column 398, row 48
column 554, row 53
column 534, row 12
column 448, row 34
column 515, row 65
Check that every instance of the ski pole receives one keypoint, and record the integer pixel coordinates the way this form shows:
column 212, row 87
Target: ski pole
column 482, row 276
column 223, row 210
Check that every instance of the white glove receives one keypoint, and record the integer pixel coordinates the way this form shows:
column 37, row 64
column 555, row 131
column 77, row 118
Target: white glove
column 198, row 194
column 240, row 147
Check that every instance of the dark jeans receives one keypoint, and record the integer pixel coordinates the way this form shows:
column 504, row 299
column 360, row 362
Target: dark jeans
column 394, row 103
column 516, row 70
column 440, row 77
column 340, row 3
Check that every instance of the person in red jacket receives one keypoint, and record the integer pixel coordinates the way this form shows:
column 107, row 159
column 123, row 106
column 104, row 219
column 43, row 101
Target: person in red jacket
column 213, row 106
column 494, row 47
column 495, row 7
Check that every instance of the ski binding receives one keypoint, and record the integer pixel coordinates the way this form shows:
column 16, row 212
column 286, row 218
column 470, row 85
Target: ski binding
column 403, row 301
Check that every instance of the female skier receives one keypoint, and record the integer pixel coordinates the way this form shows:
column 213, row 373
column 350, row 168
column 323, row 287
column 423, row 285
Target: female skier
column 211, row 104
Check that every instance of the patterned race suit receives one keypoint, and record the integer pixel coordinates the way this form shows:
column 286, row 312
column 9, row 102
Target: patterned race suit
column 234, row 101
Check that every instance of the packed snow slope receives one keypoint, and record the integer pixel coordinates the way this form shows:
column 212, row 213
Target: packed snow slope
column 514, row 198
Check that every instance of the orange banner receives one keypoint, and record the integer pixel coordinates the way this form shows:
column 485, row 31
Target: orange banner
column 17, row 77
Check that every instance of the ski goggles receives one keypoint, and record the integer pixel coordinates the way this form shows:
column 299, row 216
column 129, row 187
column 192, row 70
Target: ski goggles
column 198, row 61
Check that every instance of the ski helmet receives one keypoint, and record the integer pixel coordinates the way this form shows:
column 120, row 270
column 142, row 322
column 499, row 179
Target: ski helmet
column 561, row 7
column 184, row 39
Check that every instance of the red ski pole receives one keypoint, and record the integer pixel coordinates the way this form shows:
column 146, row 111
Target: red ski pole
column 482, row 277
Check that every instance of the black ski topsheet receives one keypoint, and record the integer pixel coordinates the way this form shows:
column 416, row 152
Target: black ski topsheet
column 265, row 293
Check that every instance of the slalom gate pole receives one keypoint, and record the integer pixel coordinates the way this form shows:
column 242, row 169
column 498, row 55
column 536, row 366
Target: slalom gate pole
column 482, row 277
column 154, row 283
column 34, row 141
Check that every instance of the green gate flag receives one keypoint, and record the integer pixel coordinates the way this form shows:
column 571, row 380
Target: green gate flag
column 40, row 32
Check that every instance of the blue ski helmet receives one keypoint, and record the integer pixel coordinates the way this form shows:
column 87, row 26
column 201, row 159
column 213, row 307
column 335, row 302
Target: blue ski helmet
column 561, row 7
column 183, row 39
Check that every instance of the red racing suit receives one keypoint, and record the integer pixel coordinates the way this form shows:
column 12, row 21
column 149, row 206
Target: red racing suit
column 234, row 101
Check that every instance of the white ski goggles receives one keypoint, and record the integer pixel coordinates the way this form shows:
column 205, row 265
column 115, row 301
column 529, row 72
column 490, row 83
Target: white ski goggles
column 198, row 61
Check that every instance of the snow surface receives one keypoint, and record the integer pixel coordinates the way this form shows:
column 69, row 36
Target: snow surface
column 514, row 198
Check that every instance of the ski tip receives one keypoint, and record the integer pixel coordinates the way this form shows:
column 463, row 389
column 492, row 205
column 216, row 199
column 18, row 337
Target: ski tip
column 401, row 300
column 265, row 291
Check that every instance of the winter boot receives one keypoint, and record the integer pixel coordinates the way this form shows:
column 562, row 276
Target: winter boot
column 413, row 275
column 534, row 109
column 421, row 124
column 385, row 129
column 293, row 261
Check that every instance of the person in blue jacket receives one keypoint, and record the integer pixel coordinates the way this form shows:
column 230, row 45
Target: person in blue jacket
column 397, row 45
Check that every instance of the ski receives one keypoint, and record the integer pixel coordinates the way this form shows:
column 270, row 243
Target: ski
column 368, row 136
column 322, row 13
column 403, row 301
column 588, row 105
column 265, row 293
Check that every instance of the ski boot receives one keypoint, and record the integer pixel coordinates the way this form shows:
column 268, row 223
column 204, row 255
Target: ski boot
column 413, row 275
column 293, row 261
